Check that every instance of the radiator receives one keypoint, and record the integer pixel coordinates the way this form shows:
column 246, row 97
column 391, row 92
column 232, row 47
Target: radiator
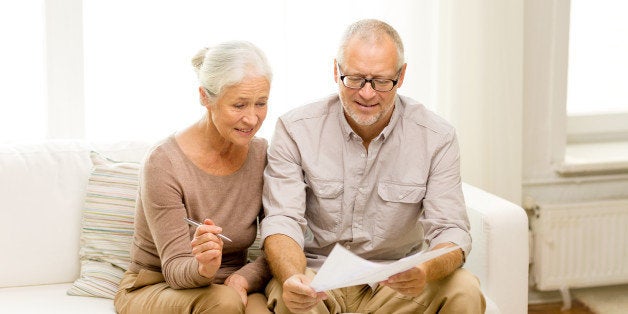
column 580, row 245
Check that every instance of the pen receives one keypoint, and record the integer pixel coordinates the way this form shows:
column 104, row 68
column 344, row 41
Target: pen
column 196, row 224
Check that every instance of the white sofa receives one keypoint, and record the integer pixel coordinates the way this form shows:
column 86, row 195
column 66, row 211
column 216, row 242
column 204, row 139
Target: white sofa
column 42, row 189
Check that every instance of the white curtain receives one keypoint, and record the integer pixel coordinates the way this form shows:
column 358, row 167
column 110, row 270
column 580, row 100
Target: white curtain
column 22, row 72
column 139, row 82
column 480, row 89
column 126, row 73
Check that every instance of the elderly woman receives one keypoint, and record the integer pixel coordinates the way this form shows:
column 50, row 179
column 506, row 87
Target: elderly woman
column 210, row 172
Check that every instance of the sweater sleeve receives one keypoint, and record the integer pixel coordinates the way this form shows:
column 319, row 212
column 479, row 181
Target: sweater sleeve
column 162, row 202
column 257, row 274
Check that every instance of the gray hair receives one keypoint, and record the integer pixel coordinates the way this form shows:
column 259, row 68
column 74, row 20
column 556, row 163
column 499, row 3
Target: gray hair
column 228, row 63
column 370, row 29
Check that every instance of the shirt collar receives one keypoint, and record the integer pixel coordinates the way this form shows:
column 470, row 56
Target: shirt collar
column 394, row 119
column 347, row 131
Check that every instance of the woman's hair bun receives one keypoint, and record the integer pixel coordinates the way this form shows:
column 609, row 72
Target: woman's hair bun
column 197, row 60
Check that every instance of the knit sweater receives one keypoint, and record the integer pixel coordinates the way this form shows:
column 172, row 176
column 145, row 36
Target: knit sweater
column 173, row 187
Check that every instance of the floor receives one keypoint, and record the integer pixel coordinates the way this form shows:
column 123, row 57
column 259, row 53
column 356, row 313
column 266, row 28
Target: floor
column 594, row 300
column 555, row 308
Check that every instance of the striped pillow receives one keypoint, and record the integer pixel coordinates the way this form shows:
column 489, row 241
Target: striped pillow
column 107, row 227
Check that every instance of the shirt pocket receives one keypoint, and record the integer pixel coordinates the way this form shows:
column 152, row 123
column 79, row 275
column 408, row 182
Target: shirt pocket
column 399, row 210
column 324, row 207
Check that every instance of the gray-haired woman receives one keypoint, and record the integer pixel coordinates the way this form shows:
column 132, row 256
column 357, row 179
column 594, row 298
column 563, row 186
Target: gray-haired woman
column 210, row 172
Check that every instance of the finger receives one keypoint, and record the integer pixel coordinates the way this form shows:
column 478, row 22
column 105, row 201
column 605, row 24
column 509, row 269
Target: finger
column 322, row 295
column 411, row 274
column 208, row 235
column 201, row 244
column 206, row 246
column 207, row 257
column 204, row 229
column 300, row 305
column 302, row 300
column 297, row 286
column 206, row 222
column 297, row 301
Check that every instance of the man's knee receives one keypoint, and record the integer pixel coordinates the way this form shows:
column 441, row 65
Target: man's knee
column 462, row 290
column 462, row 281
column 273, row 291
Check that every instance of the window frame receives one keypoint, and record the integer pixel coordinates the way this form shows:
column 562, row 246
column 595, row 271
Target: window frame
column 610, row 127
column 570, row 132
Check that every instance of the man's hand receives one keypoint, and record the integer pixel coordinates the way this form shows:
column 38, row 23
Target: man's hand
column 410, row 282
column 240, row 285
column 298, row 296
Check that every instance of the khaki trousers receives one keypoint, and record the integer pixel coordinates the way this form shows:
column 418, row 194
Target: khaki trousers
column 147, row 292
column 456, row 293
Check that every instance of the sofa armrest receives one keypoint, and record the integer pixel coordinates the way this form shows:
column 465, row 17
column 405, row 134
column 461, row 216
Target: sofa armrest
column 499, row 256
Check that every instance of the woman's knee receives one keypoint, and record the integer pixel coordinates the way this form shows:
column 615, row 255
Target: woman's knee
column 257, row 304
column 219, row 299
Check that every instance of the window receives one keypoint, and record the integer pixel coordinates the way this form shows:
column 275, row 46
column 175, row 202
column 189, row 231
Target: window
column 597, row 97
column 597, row 100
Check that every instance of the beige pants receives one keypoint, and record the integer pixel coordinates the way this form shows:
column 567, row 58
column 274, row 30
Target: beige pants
column 147, row 292
column 457, row 293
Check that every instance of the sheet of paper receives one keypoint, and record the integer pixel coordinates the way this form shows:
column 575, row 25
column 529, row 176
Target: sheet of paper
column 343, row 268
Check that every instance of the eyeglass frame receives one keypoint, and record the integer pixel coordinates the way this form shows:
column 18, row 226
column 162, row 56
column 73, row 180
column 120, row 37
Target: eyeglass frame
column 365, row 80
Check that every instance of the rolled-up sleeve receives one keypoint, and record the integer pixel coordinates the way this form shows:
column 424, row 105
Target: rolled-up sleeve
column 284, row 188
column 444, row 211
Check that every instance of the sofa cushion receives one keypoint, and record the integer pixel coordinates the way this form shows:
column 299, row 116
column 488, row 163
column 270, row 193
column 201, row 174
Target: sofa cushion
column 50, row 299
column 42, row 186
column 107, row 226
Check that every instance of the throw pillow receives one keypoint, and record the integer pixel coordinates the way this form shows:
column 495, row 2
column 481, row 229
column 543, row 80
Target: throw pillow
column 107, row 226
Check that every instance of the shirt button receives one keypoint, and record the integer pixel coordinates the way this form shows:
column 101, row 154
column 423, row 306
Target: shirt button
column 348, row 246
column 400, row 196
column 362, row 155
column 361, row 190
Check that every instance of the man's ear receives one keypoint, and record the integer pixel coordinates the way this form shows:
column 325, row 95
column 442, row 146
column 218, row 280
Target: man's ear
column 402, row 75
column 336, row 74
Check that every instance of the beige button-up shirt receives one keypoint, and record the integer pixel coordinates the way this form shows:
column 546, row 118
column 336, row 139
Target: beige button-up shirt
column 322, row 187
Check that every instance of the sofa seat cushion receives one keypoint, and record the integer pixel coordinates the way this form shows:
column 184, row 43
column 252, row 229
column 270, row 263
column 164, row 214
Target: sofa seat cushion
column 51, row 299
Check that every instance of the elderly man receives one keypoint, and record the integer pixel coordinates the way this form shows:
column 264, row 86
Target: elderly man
column 375, row 172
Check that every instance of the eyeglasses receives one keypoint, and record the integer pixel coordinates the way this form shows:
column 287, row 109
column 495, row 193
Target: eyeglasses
column 378, row 84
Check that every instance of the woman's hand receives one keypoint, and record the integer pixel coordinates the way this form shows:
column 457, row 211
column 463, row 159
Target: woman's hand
column 240, row 284
column 207, row 248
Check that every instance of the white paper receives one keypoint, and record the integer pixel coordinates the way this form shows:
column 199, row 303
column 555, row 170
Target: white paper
column 343, row 268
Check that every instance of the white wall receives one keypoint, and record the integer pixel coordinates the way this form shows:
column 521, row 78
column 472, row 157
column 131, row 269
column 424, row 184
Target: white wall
column 480, row 79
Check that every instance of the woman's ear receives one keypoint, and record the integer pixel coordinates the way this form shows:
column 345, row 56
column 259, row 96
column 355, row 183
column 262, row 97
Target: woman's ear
column 203, row 95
